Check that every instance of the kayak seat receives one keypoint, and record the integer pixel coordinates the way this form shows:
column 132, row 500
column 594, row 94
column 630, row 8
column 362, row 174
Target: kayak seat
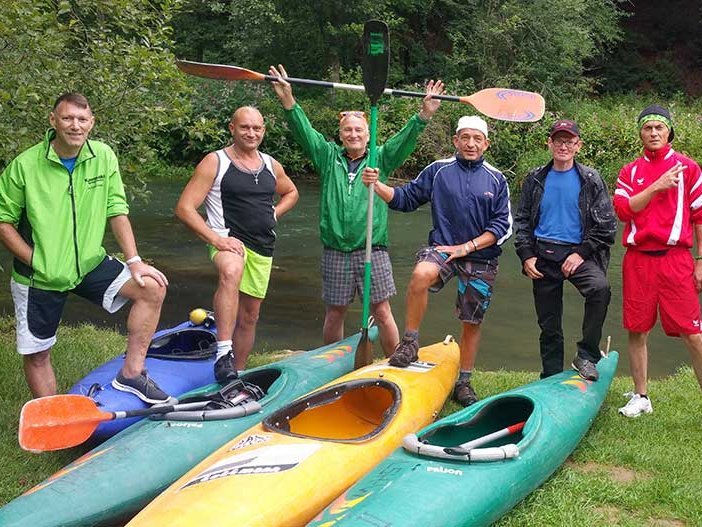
column 184, row 344
column 500, row 413
column 352, row 411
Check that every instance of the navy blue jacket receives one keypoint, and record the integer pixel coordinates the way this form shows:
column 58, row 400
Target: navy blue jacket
column 467, row 198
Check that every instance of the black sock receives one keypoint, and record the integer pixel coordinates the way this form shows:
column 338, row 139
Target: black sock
column 464, row 375
column 411, row 335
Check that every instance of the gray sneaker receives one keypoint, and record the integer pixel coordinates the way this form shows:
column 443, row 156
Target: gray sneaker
column 464, row 394
column 142, row 386
column 585, row 368
column 406, row 351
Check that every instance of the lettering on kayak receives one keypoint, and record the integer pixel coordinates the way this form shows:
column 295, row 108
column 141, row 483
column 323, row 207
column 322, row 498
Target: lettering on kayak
column 253, row 439
column 334, row 354
column 183, row 424
column 444, row 470
column 264, row 460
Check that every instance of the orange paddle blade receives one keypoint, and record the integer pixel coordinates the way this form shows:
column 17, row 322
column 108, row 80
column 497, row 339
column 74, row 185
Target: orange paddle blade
column 507, row 104
column 58, row 421
column 219, row 71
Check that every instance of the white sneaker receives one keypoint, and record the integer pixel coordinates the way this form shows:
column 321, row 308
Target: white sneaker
column 636, row 406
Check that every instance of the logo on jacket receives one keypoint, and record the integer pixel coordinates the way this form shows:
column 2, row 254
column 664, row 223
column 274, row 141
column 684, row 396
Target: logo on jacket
column 640, row 181
column 488, row 194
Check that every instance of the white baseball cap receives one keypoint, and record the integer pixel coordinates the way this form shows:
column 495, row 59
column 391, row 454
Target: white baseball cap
column 474, row 122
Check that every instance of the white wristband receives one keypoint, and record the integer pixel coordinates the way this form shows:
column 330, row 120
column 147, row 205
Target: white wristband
column 133, row 260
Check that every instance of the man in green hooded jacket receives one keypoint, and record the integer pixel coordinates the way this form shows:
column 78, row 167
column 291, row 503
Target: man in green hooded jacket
column 344, row 205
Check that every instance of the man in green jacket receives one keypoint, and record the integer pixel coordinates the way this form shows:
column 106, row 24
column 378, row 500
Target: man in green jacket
column 55, row 200
column 344, row 204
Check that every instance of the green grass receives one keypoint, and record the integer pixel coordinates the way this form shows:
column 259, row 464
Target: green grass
column 626, row 472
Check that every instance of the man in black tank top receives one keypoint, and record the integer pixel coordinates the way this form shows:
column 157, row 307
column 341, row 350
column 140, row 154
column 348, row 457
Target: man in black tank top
column 238, row 185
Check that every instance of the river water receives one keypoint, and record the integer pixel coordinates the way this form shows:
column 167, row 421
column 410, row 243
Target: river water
column 292, row 314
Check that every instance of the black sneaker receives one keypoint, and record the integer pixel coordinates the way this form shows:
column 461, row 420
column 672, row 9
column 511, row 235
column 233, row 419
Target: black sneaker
column 142, row 386
column 224, row 369
column 585, row 368
column 406, row 351
column 464, row 394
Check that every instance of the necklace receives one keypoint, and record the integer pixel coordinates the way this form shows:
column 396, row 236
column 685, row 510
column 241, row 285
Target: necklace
column 255, row 172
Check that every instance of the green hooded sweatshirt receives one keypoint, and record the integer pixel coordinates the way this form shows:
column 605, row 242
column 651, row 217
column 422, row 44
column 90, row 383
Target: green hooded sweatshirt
column 343, row 204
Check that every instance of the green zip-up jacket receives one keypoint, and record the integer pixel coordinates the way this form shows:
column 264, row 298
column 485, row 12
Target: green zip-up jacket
column 61, row 215
column 343, row 205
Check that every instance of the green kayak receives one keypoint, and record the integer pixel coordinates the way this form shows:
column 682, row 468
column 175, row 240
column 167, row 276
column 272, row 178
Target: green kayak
column 117, row 479
column 471, row 467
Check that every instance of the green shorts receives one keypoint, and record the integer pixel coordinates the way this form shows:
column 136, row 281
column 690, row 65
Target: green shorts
column 257, row 272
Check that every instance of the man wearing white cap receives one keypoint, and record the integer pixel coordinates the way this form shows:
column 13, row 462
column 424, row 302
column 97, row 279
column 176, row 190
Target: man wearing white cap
column 471, row 219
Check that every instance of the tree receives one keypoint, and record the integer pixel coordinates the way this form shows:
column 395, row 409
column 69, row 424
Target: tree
column 116, row 52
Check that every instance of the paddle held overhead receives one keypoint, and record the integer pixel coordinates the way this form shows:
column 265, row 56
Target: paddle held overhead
column 503, row 104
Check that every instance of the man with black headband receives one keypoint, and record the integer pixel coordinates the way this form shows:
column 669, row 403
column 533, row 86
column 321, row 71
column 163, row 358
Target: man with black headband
column 344, row 203
column 659, row 199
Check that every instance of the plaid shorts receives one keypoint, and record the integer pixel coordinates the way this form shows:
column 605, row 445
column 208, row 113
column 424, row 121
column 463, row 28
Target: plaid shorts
column 342, row 276
column 475, row 282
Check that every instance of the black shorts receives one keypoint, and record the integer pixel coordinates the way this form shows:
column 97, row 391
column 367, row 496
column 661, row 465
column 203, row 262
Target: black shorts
column 38, row 312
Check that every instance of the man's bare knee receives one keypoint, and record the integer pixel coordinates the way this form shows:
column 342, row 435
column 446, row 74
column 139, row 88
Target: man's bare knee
column 39, row 359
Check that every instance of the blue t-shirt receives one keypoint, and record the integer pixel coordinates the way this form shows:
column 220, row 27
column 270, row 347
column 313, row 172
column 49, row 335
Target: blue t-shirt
column 69, row 163
column 559, row 218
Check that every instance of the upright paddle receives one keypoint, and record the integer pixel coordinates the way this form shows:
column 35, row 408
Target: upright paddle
column 376, row 60
column 504, row 104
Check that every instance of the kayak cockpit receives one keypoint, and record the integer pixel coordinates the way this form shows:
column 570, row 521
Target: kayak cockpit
column 352, row 411
column 186, row 344
column 491, row 434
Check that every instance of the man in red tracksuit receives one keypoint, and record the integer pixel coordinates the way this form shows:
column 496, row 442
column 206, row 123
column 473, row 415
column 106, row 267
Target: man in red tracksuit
column 659, row 199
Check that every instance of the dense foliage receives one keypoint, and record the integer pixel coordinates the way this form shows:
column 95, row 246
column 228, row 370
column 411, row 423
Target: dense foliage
column 537, row 44
column 116, row 52
column 120, row 54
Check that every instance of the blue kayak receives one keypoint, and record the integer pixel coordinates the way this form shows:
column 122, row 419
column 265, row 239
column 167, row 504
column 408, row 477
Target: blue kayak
column 179, row 359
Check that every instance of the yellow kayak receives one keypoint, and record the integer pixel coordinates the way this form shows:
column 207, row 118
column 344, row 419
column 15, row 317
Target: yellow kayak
column 285, row 470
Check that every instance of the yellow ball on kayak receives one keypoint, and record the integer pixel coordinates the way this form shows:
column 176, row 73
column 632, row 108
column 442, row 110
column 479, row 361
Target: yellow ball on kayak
column 198, row 316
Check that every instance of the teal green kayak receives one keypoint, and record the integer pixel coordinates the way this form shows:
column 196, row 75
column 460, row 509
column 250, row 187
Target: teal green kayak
column 472, row 467
column 117, row 479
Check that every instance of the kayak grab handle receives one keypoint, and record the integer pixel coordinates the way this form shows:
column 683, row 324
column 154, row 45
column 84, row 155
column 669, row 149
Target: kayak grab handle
column 412, row 444
column 234, row 412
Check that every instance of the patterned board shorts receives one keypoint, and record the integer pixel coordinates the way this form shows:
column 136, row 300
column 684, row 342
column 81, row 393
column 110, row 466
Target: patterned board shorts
column 342, row 276
column 475, row 282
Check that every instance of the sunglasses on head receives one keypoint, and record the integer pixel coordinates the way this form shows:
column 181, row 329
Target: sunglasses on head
column 352, row 113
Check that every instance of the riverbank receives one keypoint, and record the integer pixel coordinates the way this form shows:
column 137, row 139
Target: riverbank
column 625, row 472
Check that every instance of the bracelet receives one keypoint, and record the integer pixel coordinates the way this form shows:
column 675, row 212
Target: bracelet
column 698, row 257
column 133, row 260
column 475, row 245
